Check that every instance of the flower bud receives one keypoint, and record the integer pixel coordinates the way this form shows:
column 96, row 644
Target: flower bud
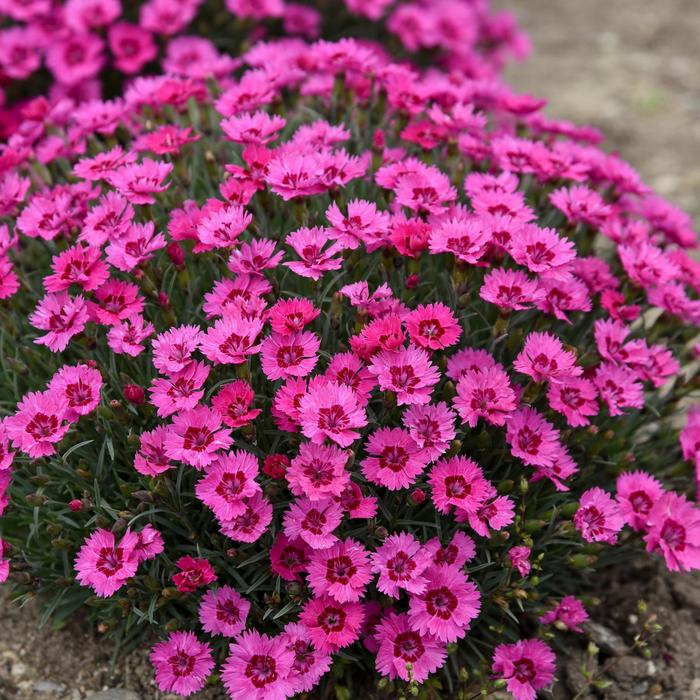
column 275, row 466
column 176, row 254
column 76, row 505
column 134, row 394
column 417, row 497
column 412, row 281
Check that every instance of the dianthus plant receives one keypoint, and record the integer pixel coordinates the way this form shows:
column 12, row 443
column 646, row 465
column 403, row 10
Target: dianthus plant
column 335, row 363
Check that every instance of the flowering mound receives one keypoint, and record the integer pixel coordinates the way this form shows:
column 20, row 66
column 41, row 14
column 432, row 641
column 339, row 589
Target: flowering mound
column 336, row 363
column 83, row 49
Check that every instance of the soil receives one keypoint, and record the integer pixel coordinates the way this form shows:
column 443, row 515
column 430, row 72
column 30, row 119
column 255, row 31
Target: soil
column 631, row 68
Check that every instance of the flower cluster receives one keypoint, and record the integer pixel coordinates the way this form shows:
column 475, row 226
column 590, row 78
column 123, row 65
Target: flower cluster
column 326, row 358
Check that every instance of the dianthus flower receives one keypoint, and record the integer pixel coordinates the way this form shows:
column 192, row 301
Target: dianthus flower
column 341, row 572
column 38, row 424
column 408, row 372
column 313, row 521
column 531, row 437
column 598, row 517
column 289, row 355
column 196, row 436
column 509, row 289
column 181, row 390
column 332, row 625
column 182, row 663
column 457, row 552
column 289, row 558
column 637, row 493
column 575, row 399
column 520, row 559
column 233, row 403
column 486, row 393
column 568, row 612
column 231, row 340
column 406, row 653
column 674, row 530
column 310, row 664
column 193, row 573
column 152, row 459
column 543, row 358
column 62, row 316
column 447, row 606
column 527, row 666
column 138, row 182
column 433, row 326
column 458, row 482
column 223, row 611
column 318, row 471
column 432, row 427
column 395, row 459
column 104, row 564
column 79, row 386
column 401, row 562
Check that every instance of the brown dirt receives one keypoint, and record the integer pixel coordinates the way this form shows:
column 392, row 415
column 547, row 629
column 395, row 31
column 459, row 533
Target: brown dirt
column 631, row 68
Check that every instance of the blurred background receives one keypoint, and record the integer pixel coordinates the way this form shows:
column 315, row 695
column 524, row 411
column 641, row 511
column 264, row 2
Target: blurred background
column 628, row 67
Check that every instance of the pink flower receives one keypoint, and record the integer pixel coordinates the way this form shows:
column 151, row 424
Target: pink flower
column 458, row 482
column 487, row 393
column 581, row 205
column 316, row 259
column 531, row 437
column 331, row 625
column 395, row 461
column 75, row 58
column 520, row 559
column 341, row 571
column 432, row 427
column 258, row 668
column 568, row 613
column 509, row 289
column 252, row 523
column 38, row 423
column 674, row 530
column 231, row 340
column 527, row 666
column 574, row 398
column 193, row 574
column 543, row 358
column 182, row 663
column 447, row 606
column 138, row 182
column 401, row 562
column 362, row 224
column 77, row 265
column 223, row 611
column 182, row 390
column 433, row 326
column 79, row 387
column 466, row 238
column 541, row 249
column 172, row 350
column 233, row 403
column 309, row 663
column 637, row 492
column 62, row 316
column 457, row 552
column 150, row 544
column 400, row 645
column 618, row 388
column 598, row 517
column 138, row 245
column 196, row 436
column 289, row 558
column 105, row 565
column 114, row 209
column 260, row 127
column 313, row 521
column 427, row 189
column 115, row 301
column 220, row 228
column 318, row 471
column 347, row 369
column 131, row 45
column 331, row 410
column 229, row 481
column 4, row 563
column 151, row 459
column 289, row 316
column 290, row 355
column 408, row 372
column 496, row 513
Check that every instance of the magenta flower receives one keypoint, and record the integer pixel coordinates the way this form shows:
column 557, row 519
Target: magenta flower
column 231, row 340
column 152, row 459
column 252, row 523
column 289, row 558
column 674, row 530
column 458, row 482
column 432, row 427
column 260, row 127
column 406, row 653
column 433, row 327
column 223, row 611
column 309, row 663
column 196, row 436
column 221, row 228
column 150, row 544
column 401, row 562
column 115, row 302
column 104, row 564
column 138, row 182
column 77, row 265
column 172, row 350
column 38, row 425
column 4, row 563
column 531, row 437
column 193, row 574
column 466, row 238
column 233, row 403
column 317, row 258
column 487, row 393
column 79, row 388
column 395, row 459
column 543, row 358
column 318, row 471
column 598, row 518
column 341, row 572
column 619, row 388
column 127, row 337
column 520, row 559
column 509, row 289
column 568, row 613
column 541, row 249
column 180, row 391
column 527, row 666
column 362, row 224
column 637, row 493
column 407, row 372
column 289, row 355
column 259, row 668
column 313, row 521
column 457, row 552
column 62, row 316
column 228, row 482
column 331, row 625
column 575, row 399
column 182, row 663
column 447, row 606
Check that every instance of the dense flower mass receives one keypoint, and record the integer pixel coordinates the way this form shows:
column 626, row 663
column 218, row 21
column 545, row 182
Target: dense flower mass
column 315, row 358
